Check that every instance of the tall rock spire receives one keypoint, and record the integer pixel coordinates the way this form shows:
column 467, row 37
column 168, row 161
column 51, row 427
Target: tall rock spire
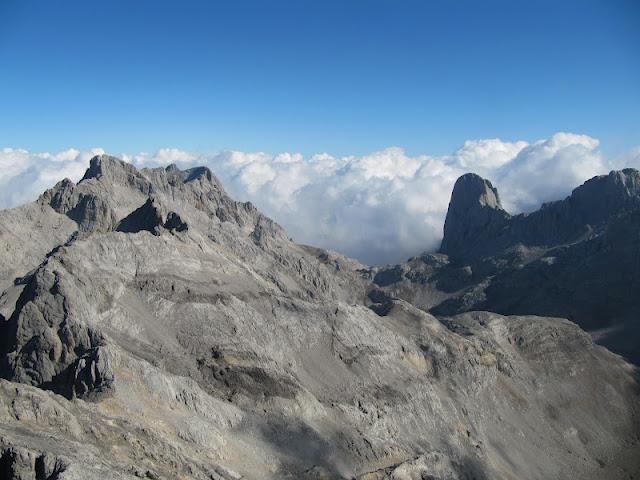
column 474, row 210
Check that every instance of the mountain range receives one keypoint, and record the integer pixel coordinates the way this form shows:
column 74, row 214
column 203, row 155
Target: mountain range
column 577, row 258
column 153, row 327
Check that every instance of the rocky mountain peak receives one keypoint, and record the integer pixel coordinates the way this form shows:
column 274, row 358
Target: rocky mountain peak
column 477, row 226
column 601, row 197
column 217, row 348
column 108, row 166
column 474, row 208
column 471, row 190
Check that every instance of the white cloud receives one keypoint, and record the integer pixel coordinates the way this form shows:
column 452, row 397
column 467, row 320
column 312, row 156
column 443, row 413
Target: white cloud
column 23, row 176
column 390, row 164
column 548, row 170
column 487, row 154
column 381, row 207
column 628, row 159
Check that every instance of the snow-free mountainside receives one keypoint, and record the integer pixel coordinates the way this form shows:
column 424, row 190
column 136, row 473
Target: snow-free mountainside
column 152, row 327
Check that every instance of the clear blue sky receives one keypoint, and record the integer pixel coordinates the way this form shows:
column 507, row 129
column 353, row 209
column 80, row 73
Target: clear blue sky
column 346, row 77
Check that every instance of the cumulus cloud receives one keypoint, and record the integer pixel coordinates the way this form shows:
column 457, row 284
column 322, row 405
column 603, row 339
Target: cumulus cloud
column 547, row 170
column 24, row 175
column 381, row 207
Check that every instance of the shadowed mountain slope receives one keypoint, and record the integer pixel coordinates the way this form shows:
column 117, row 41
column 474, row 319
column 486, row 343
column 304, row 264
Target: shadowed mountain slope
column 577, row 258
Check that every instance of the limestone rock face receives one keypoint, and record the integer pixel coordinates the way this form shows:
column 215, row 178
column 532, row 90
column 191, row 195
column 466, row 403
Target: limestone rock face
column 575, row 258
column 160, row 329
column 475, row 215
column 477, row 226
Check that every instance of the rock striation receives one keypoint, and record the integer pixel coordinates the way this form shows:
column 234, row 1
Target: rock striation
column 153, row 327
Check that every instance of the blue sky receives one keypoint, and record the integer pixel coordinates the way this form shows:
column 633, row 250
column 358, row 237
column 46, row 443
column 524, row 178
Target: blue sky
column 345, row 77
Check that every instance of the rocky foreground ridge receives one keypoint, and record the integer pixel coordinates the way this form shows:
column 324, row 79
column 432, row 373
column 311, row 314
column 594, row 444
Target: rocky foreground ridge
column 151, row 326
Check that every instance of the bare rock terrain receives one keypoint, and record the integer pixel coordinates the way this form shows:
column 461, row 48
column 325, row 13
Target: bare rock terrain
column 153, row 327
column 577, row 258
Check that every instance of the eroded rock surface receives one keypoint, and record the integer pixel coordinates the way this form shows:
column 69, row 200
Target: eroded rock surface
column 164, row 330
column 578, row 258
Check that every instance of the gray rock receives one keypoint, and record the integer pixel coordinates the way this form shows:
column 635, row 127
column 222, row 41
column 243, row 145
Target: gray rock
column 151, row 217
column 18, row 463
column 576, row 258
column 137, row 348
column 475, row 215
column 477, row 226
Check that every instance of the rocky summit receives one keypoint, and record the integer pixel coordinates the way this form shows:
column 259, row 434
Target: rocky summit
column 577, row 258
column 153, row 327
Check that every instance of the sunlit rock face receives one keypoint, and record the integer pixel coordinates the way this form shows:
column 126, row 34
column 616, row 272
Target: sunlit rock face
column 151, row 326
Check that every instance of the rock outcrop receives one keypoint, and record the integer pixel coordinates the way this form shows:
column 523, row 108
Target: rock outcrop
column 475, row 217
column 576, row 258
column 477, row 226
column 151, row 217
column 164, row 330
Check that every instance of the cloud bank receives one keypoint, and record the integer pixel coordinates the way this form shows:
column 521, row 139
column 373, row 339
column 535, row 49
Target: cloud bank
column 379, row 208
